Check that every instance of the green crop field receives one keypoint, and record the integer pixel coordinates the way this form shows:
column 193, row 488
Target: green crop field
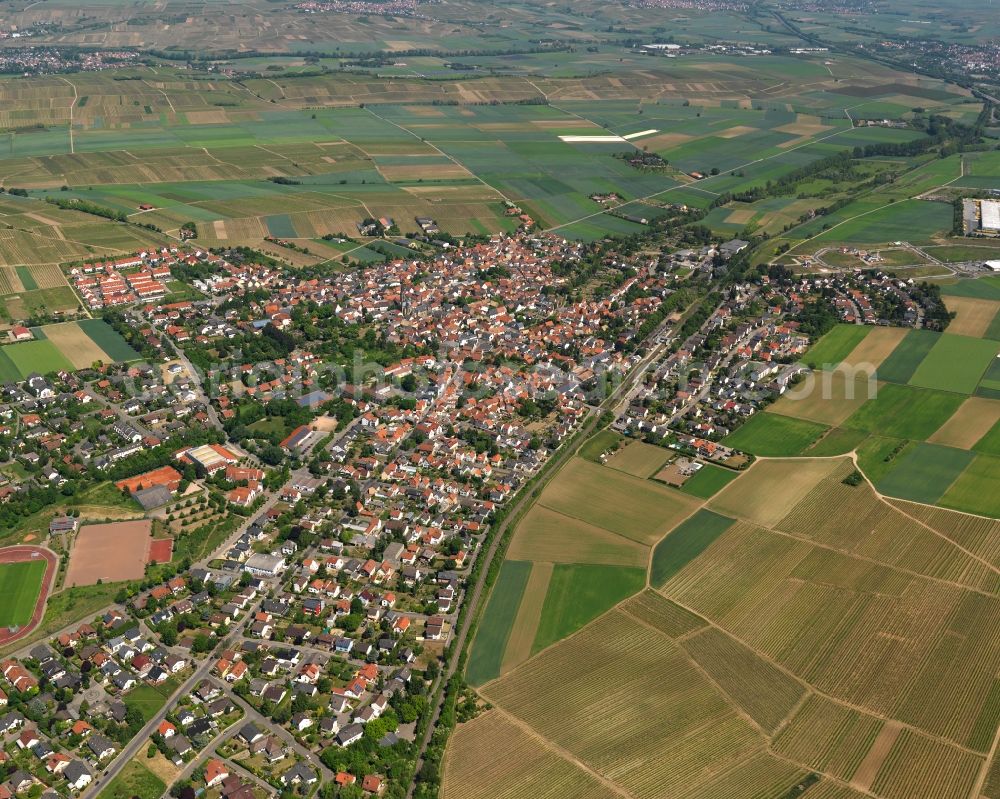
column 20, row 360
column 682, row 545
column 498, row 619
column 835, row 345
column 578, row 594
column 20, row 585
column 989, row 386
column 975, row 489
column 984, row 288
column 773, row 435
column 877, row 455
column 911, row 220
column 905, row 412
column 708, row 481
column 989, row 444
column 108, row 340
column 906, row 358
column 955, row 363
column 925, row 472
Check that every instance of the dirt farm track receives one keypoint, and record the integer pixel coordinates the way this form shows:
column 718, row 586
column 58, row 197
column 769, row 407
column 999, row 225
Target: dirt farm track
column 17, row 554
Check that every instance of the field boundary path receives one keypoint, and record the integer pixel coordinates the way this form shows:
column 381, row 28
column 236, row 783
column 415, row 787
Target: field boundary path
column 21, row 554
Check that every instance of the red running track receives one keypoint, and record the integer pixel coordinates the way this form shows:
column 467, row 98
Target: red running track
column 18, row 554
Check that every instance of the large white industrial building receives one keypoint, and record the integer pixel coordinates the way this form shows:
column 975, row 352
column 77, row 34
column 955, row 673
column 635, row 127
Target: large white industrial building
column 990, row 215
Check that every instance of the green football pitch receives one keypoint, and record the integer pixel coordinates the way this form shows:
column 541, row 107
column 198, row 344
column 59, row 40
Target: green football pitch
column 20, row 584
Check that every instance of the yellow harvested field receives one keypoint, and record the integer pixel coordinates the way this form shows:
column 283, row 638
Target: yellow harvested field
column 162, row 768
column 973, row 420
column 825, row 397
column 423, row 111
column 529, row 614
column 973, row 315
column 324, row 424
column 804, row 128
column 207, row 117
column 629, row 506
column 246, row 228
column 546, row 124
column 735, row 132
column 43, row 219
column 639, row 459
column 418, row 171
column 740, row 216
column 769, row 489
column 219, row 226
column 665, row 141
column 875, row 347
column 547, row 535
column 81, row 350
column 494, row 757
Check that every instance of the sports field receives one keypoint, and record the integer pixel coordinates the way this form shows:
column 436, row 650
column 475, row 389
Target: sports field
column 20, row 585
column 109, row 552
